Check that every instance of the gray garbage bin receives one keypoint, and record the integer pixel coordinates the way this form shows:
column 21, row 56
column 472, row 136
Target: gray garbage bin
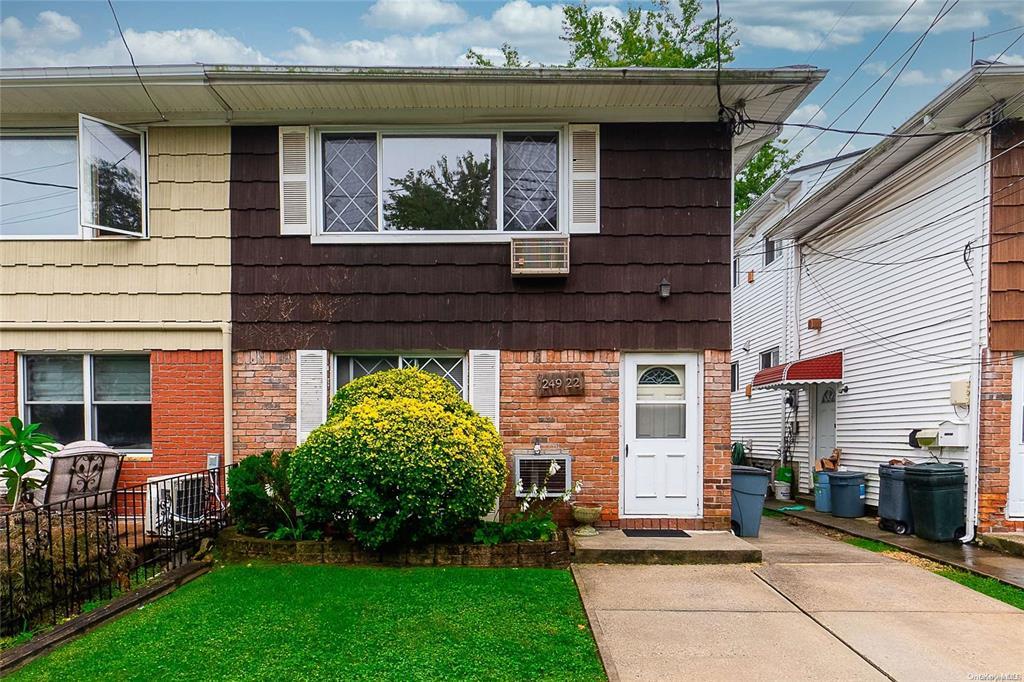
column 749, row 487
column 848, row 492
column 894, row 513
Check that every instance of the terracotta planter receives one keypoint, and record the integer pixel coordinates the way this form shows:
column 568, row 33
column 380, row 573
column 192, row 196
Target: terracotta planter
column 586, row 517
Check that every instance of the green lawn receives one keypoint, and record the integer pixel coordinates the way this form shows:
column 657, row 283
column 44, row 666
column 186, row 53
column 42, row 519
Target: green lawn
column 269, row 621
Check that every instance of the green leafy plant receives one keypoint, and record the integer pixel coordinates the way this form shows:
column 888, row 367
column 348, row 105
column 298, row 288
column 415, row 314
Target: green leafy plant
column 398, row 383
column 22, row 447
column 297, row 531
column 538, row 527
column 260, row 493
column 399, row 469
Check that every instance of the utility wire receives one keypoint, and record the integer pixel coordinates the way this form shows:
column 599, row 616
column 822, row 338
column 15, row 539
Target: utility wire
column 37, row 184
column 132, row 58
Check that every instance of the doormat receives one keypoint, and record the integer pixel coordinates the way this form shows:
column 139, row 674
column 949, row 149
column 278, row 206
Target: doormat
column 654, row 533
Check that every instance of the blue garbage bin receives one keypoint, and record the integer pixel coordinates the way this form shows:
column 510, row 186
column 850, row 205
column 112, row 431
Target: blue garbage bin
column 749, row 487
column 822, row 493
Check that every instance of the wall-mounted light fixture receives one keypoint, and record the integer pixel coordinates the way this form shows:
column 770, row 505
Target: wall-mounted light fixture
column 664, row 288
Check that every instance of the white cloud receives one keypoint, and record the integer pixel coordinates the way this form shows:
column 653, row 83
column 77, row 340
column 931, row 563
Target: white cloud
column 875, row 68
column 912, row 77
column 50, row 27
column 949, row 75
column 402, row 15
column 808, row 113
column 1015, row 59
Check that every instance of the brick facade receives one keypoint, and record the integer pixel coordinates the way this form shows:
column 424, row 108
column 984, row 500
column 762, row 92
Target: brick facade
column 8, row 385
column 188, row 414
column 994, row 443
column 263, row 387
column 588, row 427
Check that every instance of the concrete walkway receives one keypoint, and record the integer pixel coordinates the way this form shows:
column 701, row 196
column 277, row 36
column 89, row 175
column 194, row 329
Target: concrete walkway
column 816, row 609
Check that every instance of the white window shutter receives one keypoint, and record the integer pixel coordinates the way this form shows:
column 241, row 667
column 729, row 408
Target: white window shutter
column 293, row 154
column 311, row 391
column 484, row 382
column 584, row 179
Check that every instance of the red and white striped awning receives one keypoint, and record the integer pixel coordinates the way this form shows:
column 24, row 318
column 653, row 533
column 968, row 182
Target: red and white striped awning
column 823, row 369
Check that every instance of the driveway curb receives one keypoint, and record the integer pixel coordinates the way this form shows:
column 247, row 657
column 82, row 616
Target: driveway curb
column 595, row 628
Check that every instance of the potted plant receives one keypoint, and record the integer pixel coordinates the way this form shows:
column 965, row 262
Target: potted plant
column 586, row 516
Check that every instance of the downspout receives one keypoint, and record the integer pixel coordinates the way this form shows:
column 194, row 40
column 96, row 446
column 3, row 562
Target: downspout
column 228, row 396
column 977, row 352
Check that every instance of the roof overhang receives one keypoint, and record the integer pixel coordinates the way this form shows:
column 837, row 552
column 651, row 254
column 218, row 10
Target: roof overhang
column 218, row 94
column 985, row 87
column 822, row 369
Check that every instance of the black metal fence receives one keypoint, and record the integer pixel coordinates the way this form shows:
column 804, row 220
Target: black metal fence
column 58, row 559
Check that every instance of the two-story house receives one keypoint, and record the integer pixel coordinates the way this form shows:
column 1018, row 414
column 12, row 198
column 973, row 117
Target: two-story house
column 904, row 302
column 554, row 242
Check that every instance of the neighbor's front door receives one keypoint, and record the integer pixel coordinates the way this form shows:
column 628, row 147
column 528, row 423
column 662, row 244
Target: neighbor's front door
column 1015, row 498
column 824, row 421
column 662, row 443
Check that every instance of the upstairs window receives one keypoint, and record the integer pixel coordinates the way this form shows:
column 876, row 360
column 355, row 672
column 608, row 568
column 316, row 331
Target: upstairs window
column 735, row 272
column 734, row 377
column 65, row 186
column 770, row 358
column 502, row 181
column 770, row 251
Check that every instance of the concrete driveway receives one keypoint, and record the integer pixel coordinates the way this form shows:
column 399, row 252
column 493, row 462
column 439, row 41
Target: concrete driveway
column 816, row 609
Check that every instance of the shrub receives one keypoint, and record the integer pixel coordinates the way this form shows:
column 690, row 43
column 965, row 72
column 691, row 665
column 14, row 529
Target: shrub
column 260, row 494
column 399, row 470
column 518, row 528
column 398, row 383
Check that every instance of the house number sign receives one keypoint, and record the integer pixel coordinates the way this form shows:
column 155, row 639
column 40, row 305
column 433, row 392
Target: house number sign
column 560, row 383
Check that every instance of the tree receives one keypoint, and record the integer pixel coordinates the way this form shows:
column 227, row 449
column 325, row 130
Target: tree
column 666, row 36
column 443, row 198
column 760, row 173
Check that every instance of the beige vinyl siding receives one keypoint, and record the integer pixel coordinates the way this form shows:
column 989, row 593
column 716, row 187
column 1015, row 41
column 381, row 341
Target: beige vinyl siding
column 180, row 275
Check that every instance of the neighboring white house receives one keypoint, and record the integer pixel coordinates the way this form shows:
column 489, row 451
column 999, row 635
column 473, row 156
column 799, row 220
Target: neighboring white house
column 763, row 276
column 896, row 300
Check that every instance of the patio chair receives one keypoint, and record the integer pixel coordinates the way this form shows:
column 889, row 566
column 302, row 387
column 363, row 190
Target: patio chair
column 84, row 473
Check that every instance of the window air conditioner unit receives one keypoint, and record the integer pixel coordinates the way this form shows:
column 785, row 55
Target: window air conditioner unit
column 175, row 502
column 544, row 257
column 532, row 469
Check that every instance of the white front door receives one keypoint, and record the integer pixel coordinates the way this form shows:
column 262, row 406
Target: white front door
column 824, row 421
column 662, row 438
column 1015, row 499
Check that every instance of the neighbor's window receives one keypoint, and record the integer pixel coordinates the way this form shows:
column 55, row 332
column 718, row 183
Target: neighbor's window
column 770, row 251
column 770, row 358
column 736, row 271
column 449, row 367
column 38, row 182
column 113, row 177
column 97, row 397
column 372, row 182
column 734, row 377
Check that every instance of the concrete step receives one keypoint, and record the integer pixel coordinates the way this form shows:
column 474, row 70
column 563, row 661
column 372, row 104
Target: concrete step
column 1010, row 543
column 702, row 547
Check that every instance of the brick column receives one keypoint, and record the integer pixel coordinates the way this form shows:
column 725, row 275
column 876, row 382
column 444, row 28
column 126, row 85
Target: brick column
column 717, row 441
column 8, row 385
column 994, row 442
column 264, row 401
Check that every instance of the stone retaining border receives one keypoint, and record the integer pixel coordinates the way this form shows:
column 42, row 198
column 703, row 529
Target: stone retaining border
column 233, row 546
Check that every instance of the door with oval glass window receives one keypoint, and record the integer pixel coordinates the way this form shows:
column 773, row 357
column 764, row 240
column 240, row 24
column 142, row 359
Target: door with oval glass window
column 661, row 458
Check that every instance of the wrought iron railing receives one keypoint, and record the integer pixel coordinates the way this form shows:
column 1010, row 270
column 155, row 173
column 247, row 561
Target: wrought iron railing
column 59, row 558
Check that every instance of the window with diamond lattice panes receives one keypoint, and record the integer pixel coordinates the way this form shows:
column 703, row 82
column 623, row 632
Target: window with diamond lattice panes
column 530, row 181
column 350, row 183
column 452, row 368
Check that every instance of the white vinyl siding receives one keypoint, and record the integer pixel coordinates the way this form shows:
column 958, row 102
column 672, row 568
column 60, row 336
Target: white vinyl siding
column 906, row 330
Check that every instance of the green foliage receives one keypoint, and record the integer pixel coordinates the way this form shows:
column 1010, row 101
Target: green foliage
column 398, row 383
column 870, row 545
column 118, row 203
column 663, row 35
column 1008, row 594
column 300, row 531
column 518, row 528
column 443, row 198
column 761, row 172
column 291, row 622
column 259, row 492
column 21, row 448
column 399, row 470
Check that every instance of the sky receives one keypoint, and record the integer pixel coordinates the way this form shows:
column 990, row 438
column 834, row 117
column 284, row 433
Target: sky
column 832, row 34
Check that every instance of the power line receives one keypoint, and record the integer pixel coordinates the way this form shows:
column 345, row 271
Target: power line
column 38, row 184
column 41, row 197
column 132, row 58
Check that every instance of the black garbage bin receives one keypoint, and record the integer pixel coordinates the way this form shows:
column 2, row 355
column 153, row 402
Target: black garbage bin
column 749, row 487
column 937, row 500
column 894, row 512
column 848, row 492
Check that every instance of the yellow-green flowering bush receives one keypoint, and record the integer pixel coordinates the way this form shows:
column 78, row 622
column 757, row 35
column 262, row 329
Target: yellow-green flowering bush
column 398, row 383
column 399, row 470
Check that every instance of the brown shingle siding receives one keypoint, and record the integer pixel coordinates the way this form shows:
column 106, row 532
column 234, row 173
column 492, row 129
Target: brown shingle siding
column 1006, row 253
column 665, row 213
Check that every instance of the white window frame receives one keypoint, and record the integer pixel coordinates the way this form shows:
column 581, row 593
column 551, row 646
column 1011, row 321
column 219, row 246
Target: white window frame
column 382, row 236
column 337, row 356
column 87, row 231
column 770, row 246
column 773, row 354
column 735, row 271
column 734, row 376
column 87, row 401
column 101, row 230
